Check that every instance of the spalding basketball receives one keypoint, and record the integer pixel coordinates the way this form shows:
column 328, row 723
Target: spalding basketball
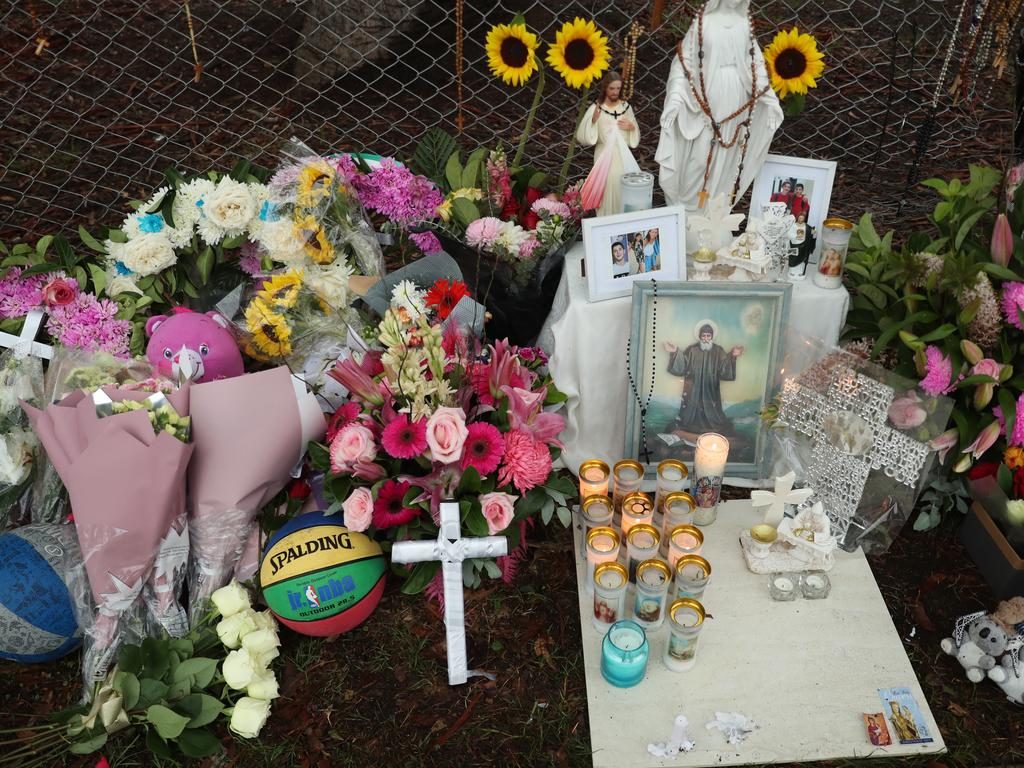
column 320, row 578
column 37, row 619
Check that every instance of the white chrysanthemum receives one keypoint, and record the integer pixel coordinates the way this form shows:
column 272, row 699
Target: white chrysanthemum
column 330, row 283
column 144, row 255
column 186, row 208
column 511, row 236
column 142, row 223
column 227, row 211
column 410, row 298
column 279, row 240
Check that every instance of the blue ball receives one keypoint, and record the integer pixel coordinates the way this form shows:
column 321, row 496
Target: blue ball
column 37, row 618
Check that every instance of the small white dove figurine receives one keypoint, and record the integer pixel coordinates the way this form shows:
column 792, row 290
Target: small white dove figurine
column 776, row 502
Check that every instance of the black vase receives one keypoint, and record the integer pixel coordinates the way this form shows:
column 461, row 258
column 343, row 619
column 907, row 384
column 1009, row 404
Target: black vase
column 517, row 312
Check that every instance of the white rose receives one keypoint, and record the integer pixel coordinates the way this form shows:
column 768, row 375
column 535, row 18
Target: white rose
column 233, row 628
column 249, row 716
column 266, row 657
column 231, row 599
column 240, row 668
column 265, row 620
column 147, row 254
column 278, row 238
column 16, row 456
column 228, row 210
column 119, row 284
column 261, row 641
column 263, row 686
column 330, row 284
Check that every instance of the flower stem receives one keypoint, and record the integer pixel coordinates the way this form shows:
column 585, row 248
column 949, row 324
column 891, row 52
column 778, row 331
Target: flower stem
column 572, row 142
column 529, row 117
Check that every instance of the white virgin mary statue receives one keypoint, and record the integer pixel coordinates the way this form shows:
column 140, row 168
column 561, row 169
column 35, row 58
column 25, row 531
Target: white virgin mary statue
column 718, row 120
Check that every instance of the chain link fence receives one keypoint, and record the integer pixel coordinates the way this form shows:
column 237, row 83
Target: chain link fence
column 100, row 96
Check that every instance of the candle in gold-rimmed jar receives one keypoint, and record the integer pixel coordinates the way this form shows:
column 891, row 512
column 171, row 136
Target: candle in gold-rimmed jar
column 602, row 547
column 610, row 582
column 653, row 578
column 637, row 509
column 595, row 511
column 693, row 573
column 594, row 479
column 627, row 477
column 672, row 475
column 683, row 540
column 677, row 509
column 641, row 544
column 685, row 621
column 710, row 457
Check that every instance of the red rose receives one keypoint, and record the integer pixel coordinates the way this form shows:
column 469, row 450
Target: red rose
column 530, row 220
column 533, row 195
column 60, row 292
column 510, row 211
column 1018, row 483
column 299, row 489
column 984, row 469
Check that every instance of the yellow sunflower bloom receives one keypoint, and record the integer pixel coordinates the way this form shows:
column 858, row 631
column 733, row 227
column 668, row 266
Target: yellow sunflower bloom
column 794, row 62
column 314, row 239
column 270, row 333
column 512, row 53
column 314, row 183
column 282, row 290
column 580, row 53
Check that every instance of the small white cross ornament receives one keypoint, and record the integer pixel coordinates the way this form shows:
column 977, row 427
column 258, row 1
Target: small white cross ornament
column 715, row 219
column 777, row 501
column 451, row 549
column 27, row 339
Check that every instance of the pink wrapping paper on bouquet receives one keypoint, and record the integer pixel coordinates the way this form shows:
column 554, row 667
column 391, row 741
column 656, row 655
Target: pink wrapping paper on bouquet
column 248, row 433
column 126, row 488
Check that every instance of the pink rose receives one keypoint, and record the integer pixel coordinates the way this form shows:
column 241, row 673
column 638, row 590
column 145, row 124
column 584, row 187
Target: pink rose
column 906, row 413
column 358, row 508
column 446, row 434
column 987, row 367
column 353, row 445
column 498, row 511
column 60, row 292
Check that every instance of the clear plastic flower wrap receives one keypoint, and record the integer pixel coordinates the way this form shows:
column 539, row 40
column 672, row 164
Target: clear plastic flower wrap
column 21, row 378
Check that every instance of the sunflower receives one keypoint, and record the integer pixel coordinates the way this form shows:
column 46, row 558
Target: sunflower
column 282, row 290
column 270, row 333
column 314, row 239
column 580, row 53
column 314, row 183
column 512, row 52
column 794, row 62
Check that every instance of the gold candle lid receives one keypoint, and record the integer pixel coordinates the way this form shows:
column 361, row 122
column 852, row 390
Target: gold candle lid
column 643, row 528
column 837, row 223
column 693, row 560
column 647, row 567
column 606, row 569
column 629, row 464
column 593, row 464
column 693, row 530
column 675, row 463
column 690, row 605
column 603, row 530
column 596, row 499
column 764, row 533
column 637, row 497
column 680, row 497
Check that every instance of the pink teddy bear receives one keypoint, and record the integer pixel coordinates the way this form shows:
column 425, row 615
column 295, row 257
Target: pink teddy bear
column 193, row 345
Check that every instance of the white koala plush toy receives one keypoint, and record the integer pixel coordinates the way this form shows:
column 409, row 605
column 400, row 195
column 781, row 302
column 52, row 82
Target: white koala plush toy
column 977, row 642
column 1008, row 674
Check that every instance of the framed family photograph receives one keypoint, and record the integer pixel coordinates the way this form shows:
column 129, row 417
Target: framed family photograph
column 805, row 186
column 635, row 246
column 712, row 353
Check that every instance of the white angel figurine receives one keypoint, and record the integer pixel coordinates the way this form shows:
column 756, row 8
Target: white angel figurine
column 609, row 126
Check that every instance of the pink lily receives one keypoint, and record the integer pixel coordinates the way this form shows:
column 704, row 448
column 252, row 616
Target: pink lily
column 945, row 442
column 356, row 380
column 505, row 369
column 985, row 440
column 525, row 412
column 972, row 352
column 963, row 465
column 369, row 471
column 1002, row 241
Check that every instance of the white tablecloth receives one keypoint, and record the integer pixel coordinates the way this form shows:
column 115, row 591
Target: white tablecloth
column 587, row 346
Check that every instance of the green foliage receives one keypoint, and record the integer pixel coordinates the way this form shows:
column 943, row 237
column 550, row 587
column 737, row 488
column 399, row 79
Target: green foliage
column 430, row 157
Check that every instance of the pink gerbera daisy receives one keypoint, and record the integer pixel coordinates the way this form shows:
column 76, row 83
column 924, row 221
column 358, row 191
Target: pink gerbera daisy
column 342, row 417
column 404, row 439
column 527, row 461
column 938, row 378
column 389, row 509
column 484, row 448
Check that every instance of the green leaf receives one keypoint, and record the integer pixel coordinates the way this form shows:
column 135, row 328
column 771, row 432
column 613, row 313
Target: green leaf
column 128, row 686
column 156, row 744
column 204, row 263
column 564, row 516
column 453, row 171
column 866, row 232
column 129, row 659
column 474, row 520
column 99, row 278
column 966, row 227
column 198, row 743
column 474, row 163
column 168, row 723
column 199, row 670
column 942, row 211
column 201, row 708
column 42, row 245
column 1005, row 478
column 937, row 184
column 89, row 745
column 547, row 511
column 470, row 483
column 794, row 104
column 422, row 574
column 431, row 155
column 873, row 294
column 941, row 332
column 465, row 211
column 151, row 692
column 191, row 290
column 157, row 657
column 179, row 689
column 537, row 180
column 319, row 456
column 241, row 170
column 231, row 243
column 1001, row 272
column 968, row 313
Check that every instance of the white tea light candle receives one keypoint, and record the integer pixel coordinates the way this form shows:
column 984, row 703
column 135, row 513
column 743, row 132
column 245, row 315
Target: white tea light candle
column 627, row 477
column 610, row 582
column 685, row 621
column 693, row 573
column 641, row 544
column 678, row 509
column 672, row 476
column 782, row 586
column 709, row 462
column 684, row 540
column 637, row 509
column 594, row 479
column 595, row 511
column 602, row 547
column 652, row 582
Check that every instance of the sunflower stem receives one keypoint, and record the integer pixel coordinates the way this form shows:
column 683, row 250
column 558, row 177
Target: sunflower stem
column 572, row 142
column 529, row 117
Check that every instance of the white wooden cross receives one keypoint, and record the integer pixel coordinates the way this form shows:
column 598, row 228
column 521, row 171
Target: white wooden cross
column 451, row 549
column 776, row 502
column 27, row 340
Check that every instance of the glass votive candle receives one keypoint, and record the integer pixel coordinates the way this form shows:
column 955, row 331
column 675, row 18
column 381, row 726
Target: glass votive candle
column 624, row 654
column 594, row 479
column 783, row 586
column 685, row 621
column 652, row 582
column 637, row 509
column 683, row 540
column 627, row 477
column 835, row 242
column 709, row 460
column 815, row 585
column 641, row 544
column 637, row 191
column 595, row 511
column 602, row 547
column 762, row 536
column 678, row 509
column 693, row 573
column 672, row 476
column 610, row 582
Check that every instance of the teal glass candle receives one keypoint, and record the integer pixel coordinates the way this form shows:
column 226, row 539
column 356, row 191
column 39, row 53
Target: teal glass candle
column 624, row 653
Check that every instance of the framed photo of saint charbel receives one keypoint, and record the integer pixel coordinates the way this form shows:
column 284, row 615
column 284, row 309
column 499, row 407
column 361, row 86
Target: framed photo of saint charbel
column 704, row 357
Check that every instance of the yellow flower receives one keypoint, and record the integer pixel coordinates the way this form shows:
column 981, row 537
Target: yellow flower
column 270, row 333
column 511, row 53
column 794, row 62
column 580, row 53
column 444, row 210
column 1014, row 457
column 314, row 183
column 282, row 290
column 314, row 239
